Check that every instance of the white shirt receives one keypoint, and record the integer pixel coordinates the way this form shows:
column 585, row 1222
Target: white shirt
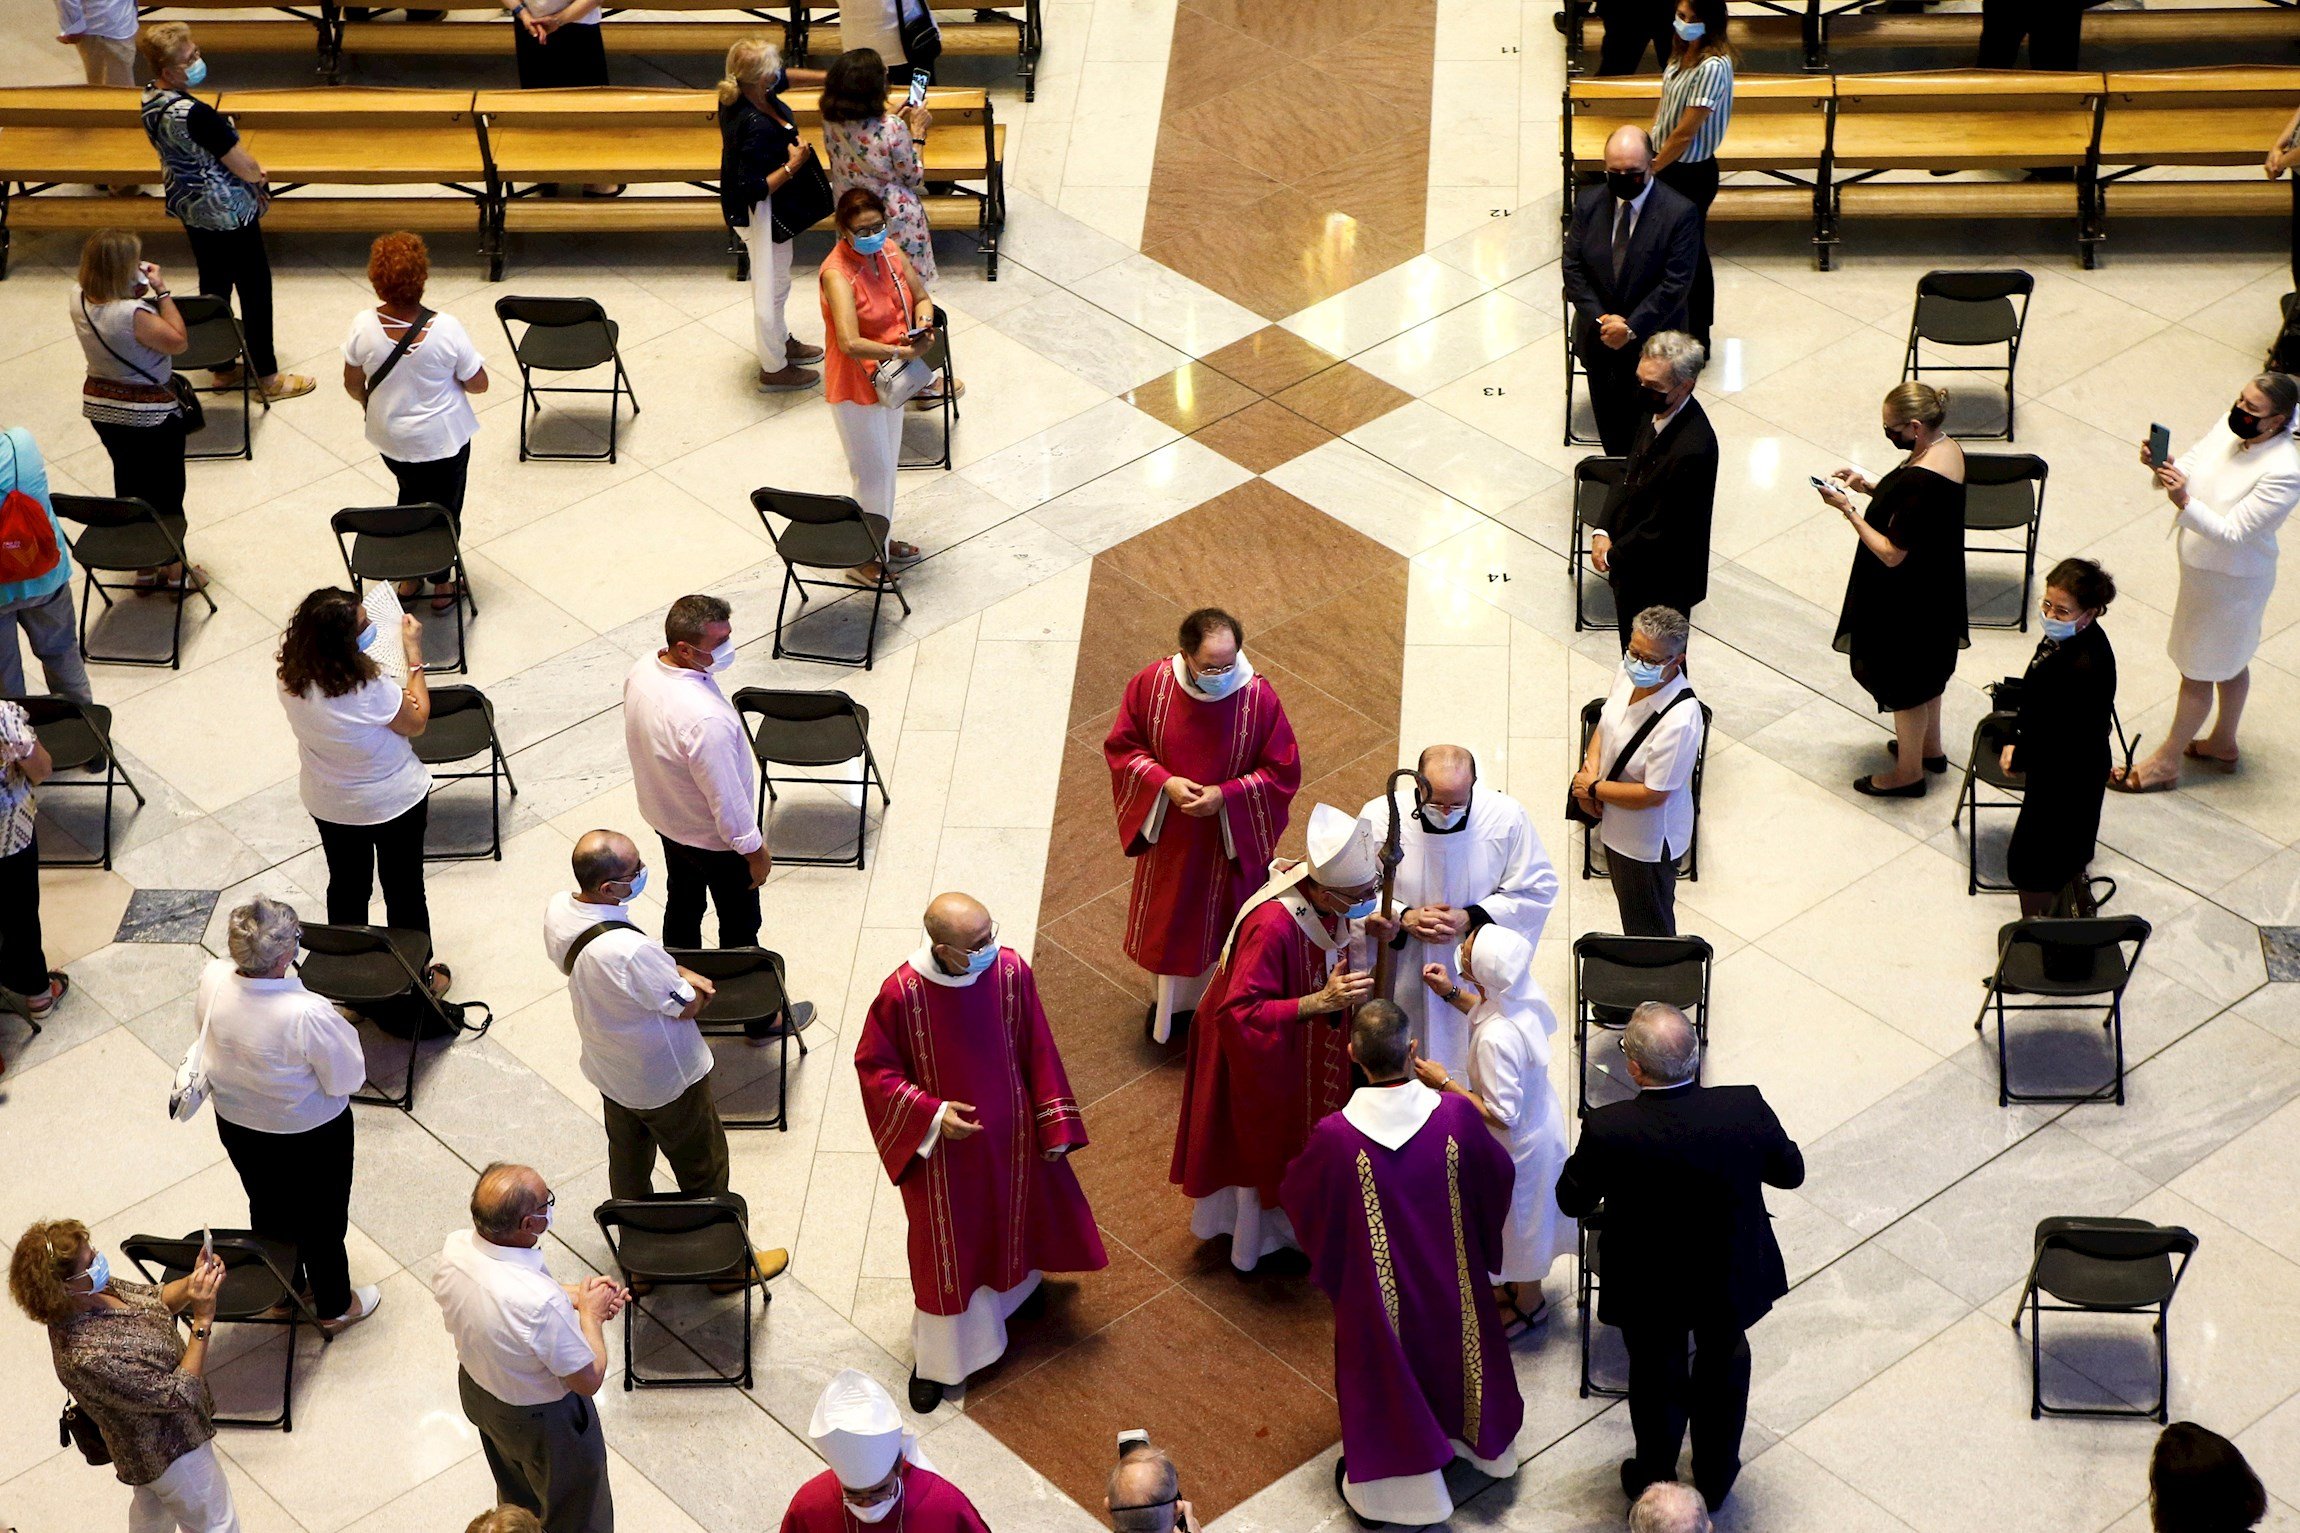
column 691, row 762
column 355, row 770
column 96, row 18
column 590, row 18
column 1664, row 762
column 516, row 1331
column 280, row 1060
column 628, row 996
column 420, row 413
column 2237, row 498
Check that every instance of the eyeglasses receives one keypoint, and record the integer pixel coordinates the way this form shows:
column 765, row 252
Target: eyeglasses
column 2053, row 609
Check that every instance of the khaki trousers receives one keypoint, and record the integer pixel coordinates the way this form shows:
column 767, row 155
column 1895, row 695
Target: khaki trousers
column 685, row 1129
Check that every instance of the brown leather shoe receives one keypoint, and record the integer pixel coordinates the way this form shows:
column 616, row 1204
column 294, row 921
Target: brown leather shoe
column 770, row 1264
column 791, row 377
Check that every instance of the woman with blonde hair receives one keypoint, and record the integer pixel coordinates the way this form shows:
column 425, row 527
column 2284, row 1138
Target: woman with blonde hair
column 761, row 153
column 1904, row 614
column 126, row 319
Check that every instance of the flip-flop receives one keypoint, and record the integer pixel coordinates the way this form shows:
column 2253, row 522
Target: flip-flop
column 2125, row 780
column 2194, row 752
column 1515, row 1321
column 60, row 985
column 444, row 976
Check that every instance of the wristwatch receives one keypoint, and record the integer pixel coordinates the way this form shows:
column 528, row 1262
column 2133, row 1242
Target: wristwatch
column 201, row 1328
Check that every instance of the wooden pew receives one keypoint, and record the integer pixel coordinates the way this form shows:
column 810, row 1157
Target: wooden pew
column 55, row 139
column 1006, row 31
column 2192, row 117
column 482, row 32
column 640, row 138
column 346, row 137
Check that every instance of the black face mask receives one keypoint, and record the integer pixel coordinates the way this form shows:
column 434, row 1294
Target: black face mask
column 2243, row 422
column 1655, row 400
column 1625, row 184
column 1896, row 436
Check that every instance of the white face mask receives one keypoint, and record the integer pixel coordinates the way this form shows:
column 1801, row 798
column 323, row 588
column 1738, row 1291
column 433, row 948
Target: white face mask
column 724, row 655
column 1443, row 819
column 880, row 1512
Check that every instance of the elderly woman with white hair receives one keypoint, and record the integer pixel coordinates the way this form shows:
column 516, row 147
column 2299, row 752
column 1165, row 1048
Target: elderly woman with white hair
column 1510, row 1028
column 760, row 155
column 282, row 1064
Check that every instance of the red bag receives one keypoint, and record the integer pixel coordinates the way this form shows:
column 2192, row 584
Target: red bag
column 27, row 537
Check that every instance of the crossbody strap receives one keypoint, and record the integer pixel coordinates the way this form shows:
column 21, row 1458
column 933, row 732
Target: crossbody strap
column 107, row 345
column 416, row 327
column 589, row 935
column 1613, row 773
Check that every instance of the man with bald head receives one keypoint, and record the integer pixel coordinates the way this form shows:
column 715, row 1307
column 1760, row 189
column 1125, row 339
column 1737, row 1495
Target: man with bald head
column 1469, row 858
column 1630, row 253
column 1686, row 1245
column 1145, row 1493
column 972, row 1116
column 532, row 1352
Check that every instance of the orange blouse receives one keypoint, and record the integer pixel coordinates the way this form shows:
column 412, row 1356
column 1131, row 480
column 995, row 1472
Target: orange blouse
column 882, row 314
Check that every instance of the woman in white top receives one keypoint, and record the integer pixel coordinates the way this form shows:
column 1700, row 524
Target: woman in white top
column 129, row 328
column 1641, row 790
column 1510, row 1028
column 418, row 403
column 281, row 1066
column 361, row 781
column 2230, row 492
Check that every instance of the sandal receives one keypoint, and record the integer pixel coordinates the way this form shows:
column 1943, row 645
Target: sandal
column 445, row 595
column 2127, row 780
column 438, row 978
column 59, row 985
column 1515, row 1322
column 2195, row 752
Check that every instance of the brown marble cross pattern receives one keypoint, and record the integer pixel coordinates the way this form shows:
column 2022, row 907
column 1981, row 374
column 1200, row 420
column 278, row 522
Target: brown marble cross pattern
column 1267, row 399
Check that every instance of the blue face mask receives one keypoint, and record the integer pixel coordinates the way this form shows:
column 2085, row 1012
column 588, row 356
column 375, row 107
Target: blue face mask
column 638, row 886
column 981, row 958
column 1218, row 684
column 1361, row 909
column 2059, row 630
column 869, row 244
column 1640, row 673
column 99, row 1273
column 369, row 638
column 196, row 73
column 1690, row 31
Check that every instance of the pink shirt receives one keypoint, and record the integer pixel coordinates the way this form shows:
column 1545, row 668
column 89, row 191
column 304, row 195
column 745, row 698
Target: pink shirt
column 691, row 761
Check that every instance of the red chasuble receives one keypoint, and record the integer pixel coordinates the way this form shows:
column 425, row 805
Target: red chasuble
column 988, row 1210
column 1259, row 1073
column 1187, row 887
column 930, row 1504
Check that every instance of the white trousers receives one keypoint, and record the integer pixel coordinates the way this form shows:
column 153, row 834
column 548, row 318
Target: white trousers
column 1254, row 1231
column 949, row 1347
column 872, row 435
column 770, row 290
column 1171, row 993
column 192, row 1496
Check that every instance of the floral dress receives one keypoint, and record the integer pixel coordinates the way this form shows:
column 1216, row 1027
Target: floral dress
column 881, row 155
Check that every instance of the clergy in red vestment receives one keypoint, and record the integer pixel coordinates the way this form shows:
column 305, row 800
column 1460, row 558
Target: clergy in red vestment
column 877, row 1472
column 1400, row 1200
column 1267, row 1056
column 1203, row 767
column 973, row 1118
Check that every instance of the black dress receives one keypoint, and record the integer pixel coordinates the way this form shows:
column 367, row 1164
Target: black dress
column 1903, row 624
column 2060, row 745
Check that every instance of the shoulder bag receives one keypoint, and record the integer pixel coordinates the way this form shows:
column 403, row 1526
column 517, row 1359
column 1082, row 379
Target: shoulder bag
column 188, row 403
column 589, row 935
column 414, row 331
column 1573, row 809
column 801, row 202
column 75, row 1428
column 189, row 1092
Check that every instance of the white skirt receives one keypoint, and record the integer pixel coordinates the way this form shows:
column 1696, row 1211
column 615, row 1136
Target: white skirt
column 2216, row 622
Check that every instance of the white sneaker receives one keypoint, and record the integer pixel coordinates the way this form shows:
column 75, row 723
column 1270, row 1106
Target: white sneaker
column 364, row 1302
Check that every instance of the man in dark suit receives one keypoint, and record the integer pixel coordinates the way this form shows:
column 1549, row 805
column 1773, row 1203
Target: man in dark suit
column 1685, row 1246
column 1630, row 255
column 1652, row 539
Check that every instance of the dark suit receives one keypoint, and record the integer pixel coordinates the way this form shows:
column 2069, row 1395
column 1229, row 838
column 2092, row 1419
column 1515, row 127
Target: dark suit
column 1686, row 1251
column 1658, row 517
column 1649, row 293
column 2054, row 29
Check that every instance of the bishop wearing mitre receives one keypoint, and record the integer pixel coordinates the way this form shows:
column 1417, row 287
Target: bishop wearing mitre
column 973, row 1119
column 1203, row 770
column 877, row 1473
column 1268, row 1057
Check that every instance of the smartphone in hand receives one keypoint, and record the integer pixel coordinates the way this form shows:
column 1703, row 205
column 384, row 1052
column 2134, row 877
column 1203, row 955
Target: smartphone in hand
column 1824, row 485
column 917, row 89
column 2159, row 445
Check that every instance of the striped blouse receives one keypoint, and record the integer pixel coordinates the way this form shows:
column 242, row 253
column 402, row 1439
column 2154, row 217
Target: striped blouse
column 1708, row 83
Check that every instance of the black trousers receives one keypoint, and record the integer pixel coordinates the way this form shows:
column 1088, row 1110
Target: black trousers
column 1645, row 893
column 1712, row 1394
column 1613, row 395
column 147, row 463
column 1632, row 597
column 2054, row 29
column 436, row 482
column 23, row 959
column 725, row 877
column 574, row 56
column 2294, row 177
column 1697, row 180
column 299, row 1190
column 1630, row 26
column 357, row 855
column 233, row 261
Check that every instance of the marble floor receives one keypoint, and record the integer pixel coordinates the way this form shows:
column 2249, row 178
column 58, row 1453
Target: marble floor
column 1333, row 399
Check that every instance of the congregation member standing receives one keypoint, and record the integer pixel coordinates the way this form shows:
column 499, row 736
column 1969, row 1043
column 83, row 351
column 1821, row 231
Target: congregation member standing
column 974, row 1121
column 38, row 603
column 1268, row 1055
column 1203, row 769
column 1630, row 253
column 2054, row 30
column 1680, row 1170
column 531, row 1353
column 760, row 154
column 129, row 329
column 2060, row 737
column 24, row 765
column 1904, row 615
column 104, row 32
column 1651, row 541
column 1469, row 858
column 1399, row 1199
column 878, row 150
column 218, row 191
column 1631, row 26
column 872, row 302
column 2230, row 493
column 282, row 1064
column 1696, row 108
column 876, row 1473
column 557, row 43
column 1636, row 776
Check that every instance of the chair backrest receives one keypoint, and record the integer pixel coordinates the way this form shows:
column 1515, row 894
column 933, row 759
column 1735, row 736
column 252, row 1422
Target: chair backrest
column 2003, row 489
column 46, row 708
column 2086, row 933
column 728, row 963
column 258, row 1272
column 814, row 510
column 672, row 1213
column 1975, row 286
column 1678, row 966
column 2114, row 1240
column 352, row 964
column 345, row 941
column 1593, row 481
column 448, row 701
column 787, row 705
column 549, row 313
column 103, row 510
column 211, row 331
column 390, row 521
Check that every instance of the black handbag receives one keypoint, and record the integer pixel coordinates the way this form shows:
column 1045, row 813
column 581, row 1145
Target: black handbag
column 188, row 404
column 75, row 1428
column 1573, row 809
column 802, row 201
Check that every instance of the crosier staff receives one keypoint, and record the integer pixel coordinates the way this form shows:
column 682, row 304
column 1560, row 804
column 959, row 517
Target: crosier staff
column 1393, row 852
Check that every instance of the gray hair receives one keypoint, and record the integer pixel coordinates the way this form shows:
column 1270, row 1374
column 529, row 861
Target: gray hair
column 1685, row 355
column 1669, row 1506
column 1141, row 1491
column 261, row 933
column 1665, row 626
column 1662, row 1044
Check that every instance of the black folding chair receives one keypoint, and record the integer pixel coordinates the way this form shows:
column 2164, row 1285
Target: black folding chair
column 2004, row 492
column 1983, row 765
column 947, row 405
column 378, row 972
column 2104, row 1267
column 673, row 1240
column 79, row 734
column 215, row 343
column 463, row 726
column 2072, row 964
column 1588, row 1283
column 1573, row 370
column 753, row 1002
column 1965, row 309
column 827, row 532
column 1688, row 861
column 565, row 335
column 813, row 729
column 394, row 543
column 129, row 535
column 1594, row 479
column 1613, row 976
column 259, row 1276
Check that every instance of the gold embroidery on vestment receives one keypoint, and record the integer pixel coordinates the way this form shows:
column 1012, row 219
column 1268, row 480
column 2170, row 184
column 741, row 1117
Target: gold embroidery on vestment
column 1472, row 1351
column 1379, row 1234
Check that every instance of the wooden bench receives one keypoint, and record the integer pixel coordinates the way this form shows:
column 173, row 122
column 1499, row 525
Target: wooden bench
column 55, row 139
column 350, row 139
column 1780, row 129
column 2192, row 117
